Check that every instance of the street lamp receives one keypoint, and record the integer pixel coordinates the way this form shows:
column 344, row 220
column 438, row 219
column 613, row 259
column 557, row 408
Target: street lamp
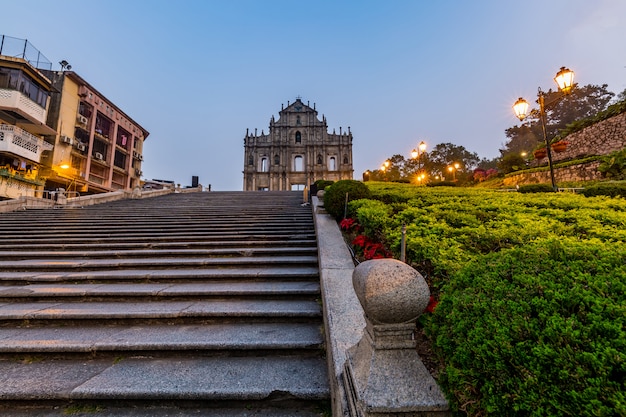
column 416, row 153
column 451, row 169
column 565, row 80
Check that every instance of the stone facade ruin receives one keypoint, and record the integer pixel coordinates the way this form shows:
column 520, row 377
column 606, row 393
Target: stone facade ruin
column 296, row 152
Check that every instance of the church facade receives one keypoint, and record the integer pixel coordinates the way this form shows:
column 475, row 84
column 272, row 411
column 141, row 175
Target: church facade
column 296, row 152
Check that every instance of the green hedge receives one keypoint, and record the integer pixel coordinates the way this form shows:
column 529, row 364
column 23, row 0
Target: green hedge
column 536, row 188
column 537, row 330
column 606, row 189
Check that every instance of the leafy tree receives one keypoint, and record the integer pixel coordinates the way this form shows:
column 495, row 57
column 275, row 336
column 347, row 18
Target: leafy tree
column 444, row 155
column 486, row 164
column 511, row 162
column 620, row 97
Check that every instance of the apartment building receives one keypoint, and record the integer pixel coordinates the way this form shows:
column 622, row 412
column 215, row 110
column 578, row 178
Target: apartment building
column 98, row 147
column 24, row 102
column 58, row 131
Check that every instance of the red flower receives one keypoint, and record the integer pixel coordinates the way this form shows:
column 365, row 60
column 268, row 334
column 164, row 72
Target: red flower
column 346, row 224
column 432, row 305
column 361, row 241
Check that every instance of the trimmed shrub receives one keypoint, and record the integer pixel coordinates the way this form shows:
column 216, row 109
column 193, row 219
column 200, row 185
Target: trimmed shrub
column 607, row 189
column 441, row 184
column 536, row 188
column 322, row 184
column 538, row 330
column 335, row 196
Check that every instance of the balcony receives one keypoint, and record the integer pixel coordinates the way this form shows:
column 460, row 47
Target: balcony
column 28, row 114
column 21, row 143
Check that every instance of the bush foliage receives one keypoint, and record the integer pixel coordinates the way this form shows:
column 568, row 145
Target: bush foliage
column 536, row 188
column 607, row 189
column 537, row 330
column 532, row 293
column 335, row 196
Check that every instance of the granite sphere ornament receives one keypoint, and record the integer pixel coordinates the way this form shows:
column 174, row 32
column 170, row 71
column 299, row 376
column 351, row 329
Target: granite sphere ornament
column 390, row 291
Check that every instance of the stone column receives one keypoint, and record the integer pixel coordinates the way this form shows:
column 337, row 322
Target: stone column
column 383, row 374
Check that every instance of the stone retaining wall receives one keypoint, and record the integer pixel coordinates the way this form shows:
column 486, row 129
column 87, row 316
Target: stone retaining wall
column 580, row 172
column 601, row 138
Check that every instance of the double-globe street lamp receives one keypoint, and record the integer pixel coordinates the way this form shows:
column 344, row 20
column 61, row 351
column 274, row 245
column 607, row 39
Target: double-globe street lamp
column 416, row 154
column 565, row 80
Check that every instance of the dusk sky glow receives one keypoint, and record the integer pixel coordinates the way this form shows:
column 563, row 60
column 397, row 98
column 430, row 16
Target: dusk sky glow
column 197, row 74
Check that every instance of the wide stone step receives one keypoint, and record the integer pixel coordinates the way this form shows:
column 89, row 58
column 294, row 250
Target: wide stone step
column 217, row 308
column 68, row 264
column 153, row 409
column 211, row 378
column 287, row 226
column 54, row 246
column 222, row 337
column 293, row 272
column 21, row 240
column 119, row 253
column 161, row 291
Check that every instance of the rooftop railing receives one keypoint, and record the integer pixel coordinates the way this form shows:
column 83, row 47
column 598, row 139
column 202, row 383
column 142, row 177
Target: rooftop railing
column 21, row 48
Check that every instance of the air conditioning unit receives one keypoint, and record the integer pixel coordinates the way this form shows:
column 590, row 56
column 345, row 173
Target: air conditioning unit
column 82, row 119
column 98, row 156
column 66, row 139
column 81, row 146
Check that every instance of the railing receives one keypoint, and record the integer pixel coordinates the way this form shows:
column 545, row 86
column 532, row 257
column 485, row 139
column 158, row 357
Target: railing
column 16, row 140
column 21, row 48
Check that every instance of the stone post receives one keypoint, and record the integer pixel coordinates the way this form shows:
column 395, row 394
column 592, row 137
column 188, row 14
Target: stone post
column 383, row 374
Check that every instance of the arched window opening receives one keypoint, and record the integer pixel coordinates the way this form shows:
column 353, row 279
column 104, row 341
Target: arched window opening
column 320, row 161
column 332, row 164
column 276, row 159
column 298, row 164
column 264, row 165
column 298, row 137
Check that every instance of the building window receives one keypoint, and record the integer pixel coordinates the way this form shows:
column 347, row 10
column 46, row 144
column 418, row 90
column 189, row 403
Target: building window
column 298, row 137
column 297, row 187
column 298, row 121
column 332, row 164
column 264, row 165
column 119, row 160
column 298, row 165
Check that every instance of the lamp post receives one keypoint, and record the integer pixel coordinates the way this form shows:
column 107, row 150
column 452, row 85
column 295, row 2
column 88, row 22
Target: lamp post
column 565, row 80
column 416, row 153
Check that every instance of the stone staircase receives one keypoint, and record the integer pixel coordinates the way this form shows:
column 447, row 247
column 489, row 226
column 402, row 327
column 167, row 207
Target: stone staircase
column 185, row 304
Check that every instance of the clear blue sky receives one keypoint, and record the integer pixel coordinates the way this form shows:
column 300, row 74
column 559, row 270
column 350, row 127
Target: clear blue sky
column 196, row 74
